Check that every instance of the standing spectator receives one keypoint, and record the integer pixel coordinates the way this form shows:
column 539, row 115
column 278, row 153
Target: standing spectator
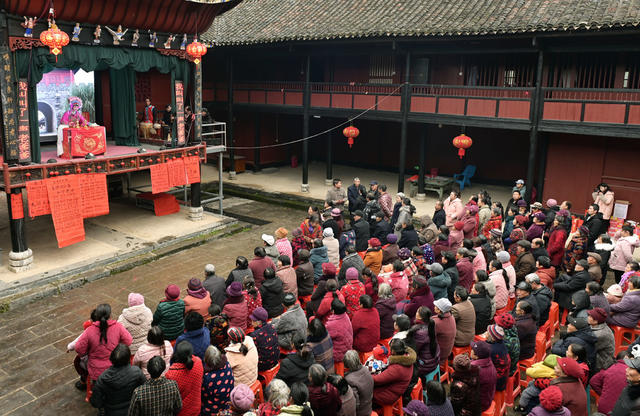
column 382, row 228
column 272, row 293
column 158, row 396
column 361, row 382
column 536, row 229
column 605, row 344
column 396, row 208
column 156, row 345
column 386, row 204
column 187, row 371
column 361, row 228
column 340, row 330
column 487, row 376
column 265, row 339
column 456, row 235
column 304, row 274
column 390, row 251
column 501, row 282
column 576, row 249
column 470, row 227
column 604, row 197
column 405, row 217
column 216, row 285
column 593, row 221
column 137, row 320
column 196, row 334
column 320, row 343
column 623, row 251
column 366, row 326
column 465, row 317
column 352, row 291
column 481, row 306
column 241, row 272
column 545, row 271
column 332, row 245
column 323, row 396
column 283, row 244
column 392, row 382
column 557, row 239
column 169, row 314
column 356, row 194
column 527, row 330
column 439, row 216
column 336, row 195
column 465, row 387
column 235, row 307
column 445, row 325
column 295, row 365
column 198, row 298
column 627, row 313
column 386, row 306
column 297, row 243
column 568, row 374
column 259, row 264
column 609, row 383
column 465, row 269
column 113, row 390
column 292, row 323
column 453, row 208
column 243, row 357
column 217, row 383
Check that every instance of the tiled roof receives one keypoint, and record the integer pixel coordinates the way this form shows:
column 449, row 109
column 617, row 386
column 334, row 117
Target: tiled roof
column 265, row 21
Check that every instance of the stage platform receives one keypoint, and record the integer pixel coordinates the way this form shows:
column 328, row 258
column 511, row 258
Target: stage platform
column 49, row 152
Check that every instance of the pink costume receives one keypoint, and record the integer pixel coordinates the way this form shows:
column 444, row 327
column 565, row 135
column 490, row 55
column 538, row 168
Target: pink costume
column 71, row 118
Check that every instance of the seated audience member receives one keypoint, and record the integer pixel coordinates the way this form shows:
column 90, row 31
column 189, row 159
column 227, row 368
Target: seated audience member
column 169, row 314
column 630, row 270
column 217, row 382
column 351, row 259
column 235, row 306
column 215, row 284
column 438, row 282
column 614, row 294
column 594, row 260
column 487, row 376
column 507, row 322
column 545, row 271
column 243, row 357
column 386, row 306
column 112, row 392
column 156, row 345
column 605, row 344
column 319, row 340
column 360, row 380
column 352, row 291
column 259, row 264
column 450, row 269
column 524, row 293
column 297, row 243
column 543, row 296
column 609, row 383
column 299, row 402
column 627, row 403
column 537, row 248
column 287, row 275
column 525, row 263
column 272, row 293
column 482, row 307
column 482, row 277
column 187, row 371
column 265, row 339
column 218, row 326
column 578, row 332
column 270, row 247
column 333, row 246
column 499, row 355
column 373, row 256
column 399, row 281
column 277, row 397
column 318, row 257
column 347, row 396
column 422, row 339
column 241, row 272
column 500, row 280
column 551, row 400
column 597, row 297
column 465, row 317
column 291, row 323
column 252, row 297
column 144, row 400
column 580, row 304
column 241, row 401
column 366, row 325
column 419, row 296
column 195, row 332
column 626, row 313
column 401, row 325
column 323, row 396
column 304, row 274
column 198, row 298
column 340, row 330
column 465, row 386
column 527, row 330
column 295, row 366
column 438, row 403
column 445, row 327
column 391, row 383
column 137, row 320
column 568, row 374
column 565, row 286
column 390, row 250
column 465, row 269
column 332, row 292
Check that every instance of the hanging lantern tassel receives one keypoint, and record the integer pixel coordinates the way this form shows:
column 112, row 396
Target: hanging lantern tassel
column 55, row 39
column 350, row 133
column 462, row 142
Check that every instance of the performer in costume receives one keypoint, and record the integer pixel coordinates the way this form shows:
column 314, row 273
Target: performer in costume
column 71, row 118
column 136, row 36
column 183, row 44
column 150, row 123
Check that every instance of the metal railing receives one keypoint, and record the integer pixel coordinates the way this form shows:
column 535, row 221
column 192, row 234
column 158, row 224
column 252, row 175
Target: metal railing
column 471, row 91
column 215, row 135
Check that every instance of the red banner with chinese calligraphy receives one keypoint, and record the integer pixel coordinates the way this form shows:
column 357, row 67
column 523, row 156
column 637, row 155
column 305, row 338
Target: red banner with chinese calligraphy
column 180, row 112
column 8, row 100
column 177, row 174
column 24, row 134
column 159, row 178
column 66, row 209
column 192, row 166
column 37, row 198
column 17, row 209
column 95, row 197
column 78, row 142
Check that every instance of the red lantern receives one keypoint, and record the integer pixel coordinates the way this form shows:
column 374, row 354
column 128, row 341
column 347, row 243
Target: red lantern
column 462, row 142
column 55, row 39
column 196, row 50
column 350, row 133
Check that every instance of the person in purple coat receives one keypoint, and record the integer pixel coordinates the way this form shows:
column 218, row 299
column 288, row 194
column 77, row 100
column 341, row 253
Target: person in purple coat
column 465, row 269
column 626, row 313
column 419, row 296
column 481, row 356
column 422, row 339
column 536, row 230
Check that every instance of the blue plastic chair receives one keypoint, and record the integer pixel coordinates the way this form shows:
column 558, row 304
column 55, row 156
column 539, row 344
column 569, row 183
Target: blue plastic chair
column 463, row 178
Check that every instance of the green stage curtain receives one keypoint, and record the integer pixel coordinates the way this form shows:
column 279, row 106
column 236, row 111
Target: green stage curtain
column 123, row 106
column 33, row 63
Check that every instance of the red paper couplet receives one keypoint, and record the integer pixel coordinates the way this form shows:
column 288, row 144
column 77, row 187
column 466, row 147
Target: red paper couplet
column 66, row 205
column 177, row 174
column 192, row 166
column 17, row 209
column 37, row 198
column 95, row 198
column 159, row 178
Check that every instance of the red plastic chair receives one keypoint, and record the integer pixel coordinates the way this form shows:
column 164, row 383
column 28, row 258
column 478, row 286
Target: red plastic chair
column 563, row 321
column 491, row 410
column 89, row 390
column 339, row 367
column 511, row 304
column 541, row 350
column 444, row 372
column 265, row 377
column 501, row 406
column 433, row 172
column 554, row 318
column 364, row 356
column 513, row 389
column 417, row 392
column 394, row 409
column 256, row 388
column 624, row 336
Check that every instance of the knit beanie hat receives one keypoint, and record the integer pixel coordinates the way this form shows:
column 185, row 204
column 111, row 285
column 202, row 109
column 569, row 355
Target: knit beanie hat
column 328, row 269
column 458, row 225
column 496, row 332
column 505, row 320
column 135, row 299
column 503, row 256
column 521, row 219
column 374, row 242
column 496, row 232
column 235, row 334
column 552, row 203
column 404, row 253
column 482, row 349
column 416, row 408
column 194, row 284
column 473, row 209
column 336, row 212
column 242, row 397
column 521, row 203
column 172, row 292
column 461, row 362
column 443, row 304
column 551, row 398
column 599, row 314
column 392, row 238
column 352, row 273
column 234, row 289
column 209, row 269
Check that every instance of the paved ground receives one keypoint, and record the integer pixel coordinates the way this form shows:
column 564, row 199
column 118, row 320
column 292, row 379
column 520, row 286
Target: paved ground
column 36, row 373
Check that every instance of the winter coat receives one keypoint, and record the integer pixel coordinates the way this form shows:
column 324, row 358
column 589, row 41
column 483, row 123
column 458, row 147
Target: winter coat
column 482, row 307
column 216, row 389
column 291, row 323
column 292, row 410
column 393, row 381
column 236, row 309
column 465, row 316
column 252, row 303
column 216, row 287
column 445, row 334
column 575, row 250
column 565, row 286
column 389, row 253
column 534, row 306
column 426, row 361
column 297, row 244
column 501, row 297
column 272, row 253
column 555, row 247
column 511, row 274
column 200, row 305
column 99, row 351
column 428, row 229
column 453, row 210
column 512, row 342
column 439, row 286
column 289, row 279
column 366, row 329
column 322, row 351
column 112, row 392
column 605, row 346
column 547, row 276
column 543, row 297
column 294, row 368
column 595, row 272
column 626, row 313
column 404, row 216
column 399, row 285
column 258, row 265
column 169, row 316
column 373, row 259
column 265, row 339
column 465, row 272
column 494, row 222
column 454, row 276
column 245, row 367
column 491, row 293
column 190, row 386
column 347, row 238
column 583, row 337
column 363, row 233
column 608, row 384
column 628, row 403
column 464, row 392
column 408, row 238
column 479, row 262
column 527, row 331
column 502, row 363
column 350, row 260
column 605, row 203
column 484, row 215
column 324, row 310
column 539, row 252
column 594, row 224
column 487, row 378
column 235, row 275
column 200, row 339
column 540, row 411
column 333, row 250
column 137, row 320
column 420, row 297
column 381, row 230
column 284, row 248
column 147, row 351
column 525, row 264
column 356, row 197
column 574, row 396
column 600, row 301
column 470, row 226
column 341, row 332
column 305, row 278
column 325, row 400
column 272, row 295
column 318, row 257
column 351, row 293
column 361, row 383
column 439, row 217
column 386, row 309
column 623, row 252
column 455, row 239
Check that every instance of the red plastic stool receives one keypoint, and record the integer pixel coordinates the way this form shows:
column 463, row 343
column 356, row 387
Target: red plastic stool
column 417, row 392
column 444, row 371
column 89, row 390
column 364, row 356
column 623, row 336
column 256, row 388
column 501, row 406
column 491, row 410
column 265, row 377
column 393, row 409
column 554, row 318
column 339, row 367
column 513, row 388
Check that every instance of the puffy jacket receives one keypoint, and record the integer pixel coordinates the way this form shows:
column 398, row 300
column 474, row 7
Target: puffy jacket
column 454, row 276
column 189, row 383
column 272, row 296
column 366, row 329
column 266, row 342
column 525, row 264
column 408, row 238
column 628, row 402
column 527, row 331
column 192, row 303
column 583, row 337
column 216, row 286
column 487, row 378
column 386, row 309
column 333, row 250
column 419, row 338
column 362, row 231
column 605, row 203
column 455, row 239
column 608, row 384
column 540, row 411
column 399, row 285
column 439, row 286
column 470, row 226
column 392, row 382
column 555, row 247
column 245, row 367
column 294, row 368
column 339, row 328
column 454, row 211
column 324, row 310
column 373, row 259
column 502, row 363
column 420, row 297
column 390, row 253
column 574, row 396
column 200, row 339
column 361, row 383
column 547, row 276
column 98, row 351
column 236, row 309
column 465, row 317
column 169, row 316
column 502, row 293
column 350, row 260
column 318, row 257
column 445, row 334
column 623, row 252
column 284, row 248
column 137, row 320
column 565, row 286
column 465, row 272
column 258, row 265
column 626, row 313
column 325, row 400
column 464, row 392
column 381, row 230
column 605, row 346
column 112, row 392
column 291, row 323
column 147, row 351
column 322, row 351
column 482, row 307
column 543, row 296
column 594, row 224
column 351, row 293
column 304, row 278
column 289, row 279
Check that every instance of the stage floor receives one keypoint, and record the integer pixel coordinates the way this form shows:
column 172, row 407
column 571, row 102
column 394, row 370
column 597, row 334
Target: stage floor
column 48, row 151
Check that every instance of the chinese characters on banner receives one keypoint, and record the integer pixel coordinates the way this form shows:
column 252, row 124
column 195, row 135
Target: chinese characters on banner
column 37, row 198
column 180, row 111
column 192, row 166
column 66, row 209
column 8, row 103
column 159, row 178
column 177, row 174
column 24, row 136
column 95, row 197
column 17, row 209
column 172, row 173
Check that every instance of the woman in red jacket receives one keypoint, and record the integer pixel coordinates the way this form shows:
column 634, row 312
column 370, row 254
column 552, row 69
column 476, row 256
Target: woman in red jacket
column 557, row 239
column 366, row 325
column 391, row 383
column 187, row 371
column 323, row 397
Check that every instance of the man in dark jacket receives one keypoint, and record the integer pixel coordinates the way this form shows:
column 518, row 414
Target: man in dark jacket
column 409, row 237
column 523, row 293
column 451, row 270
column 527, row 329
column 482, row 306
column 361, row 228
column 537, row 248
column 112, row 392
column 578, row 332
column 382, row 228
column 291, row 323
column 330, row 222
column 543, row 296
column 215, row 285
column 525, row 263
column 304, row 274
column 356, row 194
column 272, row 293
column 439, row 216
column 565, row 286
column 352, row 259
column 593, row 221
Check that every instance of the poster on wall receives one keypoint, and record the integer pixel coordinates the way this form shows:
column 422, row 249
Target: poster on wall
column 180, row 111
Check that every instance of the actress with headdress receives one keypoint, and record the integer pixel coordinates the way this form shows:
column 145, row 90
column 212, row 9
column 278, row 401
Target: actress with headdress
column 71, row 118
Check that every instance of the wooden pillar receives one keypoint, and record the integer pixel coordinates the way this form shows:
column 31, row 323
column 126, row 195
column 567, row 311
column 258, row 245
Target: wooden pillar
column 305, row 125
column 421, row 157
column 20, row 256
column 232, row 165
column 256, row 144
column 197, row 103
column 329, row 149
column 536, row 110
column 542, row 166
column 406, row 96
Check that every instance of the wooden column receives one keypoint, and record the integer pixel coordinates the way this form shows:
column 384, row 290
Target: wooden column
column 232, row 165
column 406, row 96
column 256, row 144
column 421, row 157
column 197, row 103
column 329, row 149
column 305, row 125
column 535, row 114
column 542, row 166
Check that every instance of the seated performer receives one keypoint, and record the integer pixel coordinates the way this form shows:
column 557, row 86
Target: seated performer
column 150, row 122
column 71, row 118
